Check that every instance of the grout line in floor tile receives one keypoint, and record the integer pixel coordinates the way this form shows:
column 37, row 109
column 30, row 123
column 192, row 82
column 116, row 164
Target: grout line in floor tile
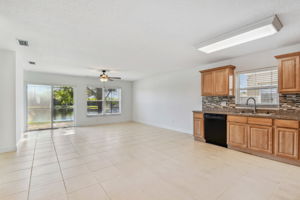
column 272, row 193
column 31, row 170
column 59, row 163
column 104, row 191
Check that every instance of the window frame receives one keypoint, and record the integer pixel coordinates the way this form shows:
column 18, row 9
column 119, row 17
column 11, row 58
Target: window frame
column 237, row 88
column 103, row 101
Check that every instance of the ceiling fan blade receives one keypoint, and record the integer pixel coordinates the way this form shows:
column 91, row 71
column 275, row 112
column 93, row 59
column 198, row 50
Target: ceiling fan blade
column 115, row 77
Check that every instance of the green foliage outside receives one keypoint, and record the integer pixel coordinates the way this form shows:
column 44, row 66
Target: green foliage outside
column 63, row 96
column 95, row 94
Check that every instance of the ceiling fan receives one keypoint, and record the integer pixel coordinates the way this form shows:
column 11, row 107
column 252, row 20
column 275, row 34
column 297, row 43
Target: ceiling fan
column 104, row 77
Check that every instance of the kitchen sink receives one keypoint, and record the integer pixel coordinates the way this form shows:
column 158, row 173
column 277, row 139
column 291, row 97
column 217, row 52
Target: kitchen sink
column 257, row 114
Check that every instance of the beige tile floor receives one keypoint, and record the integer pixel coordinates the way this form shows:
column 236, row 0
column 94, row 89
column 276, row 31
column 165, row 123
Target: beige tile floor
column 131, row 161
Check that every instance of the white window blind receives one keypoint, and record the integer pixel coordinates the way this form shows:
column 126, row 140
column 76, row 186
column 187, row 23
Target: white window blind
column 260, row 84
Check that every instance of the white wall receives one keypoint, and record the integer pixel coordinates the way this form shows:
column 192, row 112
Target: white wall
column 7, row 101
column 20, row 111
column 167, row 100
column 80, row 84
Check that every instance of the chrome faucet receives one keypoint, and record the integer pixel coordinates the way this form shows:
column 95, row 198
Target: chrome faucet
column 254, row 101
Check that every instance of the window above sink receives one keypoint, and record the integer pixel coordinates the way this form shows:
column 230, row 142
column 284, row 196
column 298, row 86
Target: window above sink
column 261, row 84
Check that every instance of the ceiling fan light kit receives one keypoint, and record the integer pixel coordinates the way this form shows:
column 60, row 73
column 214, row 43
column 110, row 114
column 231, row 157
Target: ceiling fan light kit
column 261, row 29
column 104, row 77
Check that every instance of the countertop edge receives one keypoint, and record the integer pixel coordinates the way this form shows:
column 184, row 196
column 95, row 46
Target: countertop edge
column 276, row 116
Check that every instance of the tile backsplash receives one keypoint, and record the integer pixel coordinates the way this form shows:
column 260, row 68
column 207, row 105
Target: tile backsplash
column 287, row 102
column 210, row 102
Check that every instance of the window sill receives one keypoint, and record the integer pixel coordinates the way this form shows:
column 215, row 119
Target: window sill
column 104, row 115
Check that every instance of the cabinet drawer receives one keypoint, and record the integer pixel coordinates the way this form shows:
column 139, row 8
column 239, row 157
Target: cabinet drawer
column 260, row 121
column 238, row 119
column 286, row 123
column 198, row 115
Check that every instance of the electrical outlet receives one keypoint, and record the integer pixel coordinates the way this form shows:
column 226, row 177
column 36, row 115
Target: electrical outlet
column 223, row 103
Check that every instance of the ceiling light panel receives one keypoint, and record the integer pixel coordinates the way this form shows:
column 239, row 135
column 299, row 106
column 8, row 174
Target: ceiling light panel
column 249, row 33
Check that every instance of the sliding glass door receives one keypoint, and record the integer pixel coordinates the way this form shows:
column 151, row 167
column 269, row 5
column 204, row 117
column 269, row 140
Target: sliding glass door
column 39, row 107
column 63, row 110
column 49, row 107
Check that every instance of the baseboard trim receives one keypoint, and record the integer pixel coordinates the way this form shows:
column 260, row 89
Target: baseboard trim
column 8, row 149
column 20, row 139
column 99, row 124
column 165, row 127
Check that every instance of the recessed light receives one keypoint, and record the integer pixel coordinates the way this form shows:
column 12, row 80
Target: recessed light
column 248, row 33
column 23, row 42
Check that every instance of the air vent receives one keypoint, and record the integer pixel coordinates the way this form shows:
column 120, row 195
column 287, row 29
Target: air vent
column 31, row 62
column 23, row 43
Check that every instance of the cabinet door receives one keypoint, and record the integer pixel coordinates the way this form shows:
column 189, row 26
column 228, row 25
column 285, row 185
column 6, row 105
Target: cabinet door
column 289, row 75
column 198, row 128
column 237, row 135
column 260, row 138
column 287, row 143
column 221, row 82
column 207, row 84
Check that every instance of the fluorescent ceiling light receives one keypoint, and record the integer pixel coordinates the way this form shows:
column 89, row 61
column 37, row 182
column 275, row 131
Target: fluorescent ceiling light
column 249, row 33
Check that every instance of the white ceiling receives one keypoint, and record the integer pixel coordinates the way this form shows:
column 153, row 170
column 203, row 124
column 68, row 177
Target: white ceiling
column 135, row 38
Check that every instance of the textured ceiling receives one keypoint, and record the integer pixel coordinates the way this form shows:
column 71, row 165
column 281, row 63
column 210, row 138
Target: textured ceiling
column 135, row 38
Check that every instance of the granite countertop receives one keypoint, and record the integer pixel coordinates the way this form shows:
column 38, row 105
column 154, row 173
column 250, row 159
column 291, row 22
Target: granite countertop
column 290, row 116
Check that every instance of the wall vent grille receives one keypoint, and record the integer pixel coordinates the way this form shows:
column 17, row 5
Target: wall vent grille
column 23, row 43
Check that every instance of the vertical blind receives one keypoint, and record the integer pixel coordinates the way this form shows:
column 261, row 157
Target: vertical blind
column 260, row 84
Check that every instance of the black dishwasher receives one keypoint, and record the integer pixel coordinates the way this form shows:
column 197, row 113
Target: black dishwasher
column 215, row 129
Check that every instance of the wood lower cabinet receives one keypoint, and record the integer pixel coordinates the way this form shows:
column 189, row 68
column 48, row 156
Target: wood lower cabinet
column 277, row 139
column 287, row 143
column 260, row 138
column 198, row 126
column 237, row 134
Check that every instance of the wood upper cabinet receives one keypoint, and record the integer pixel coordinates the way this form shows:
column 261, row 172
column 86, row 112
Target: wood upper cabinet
column 260, row 138
column 198, row 126
column 289, row 73
column 218, row 81
column 221, row 82
column 287, row 143
column 237, row 134
column 207, row 84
